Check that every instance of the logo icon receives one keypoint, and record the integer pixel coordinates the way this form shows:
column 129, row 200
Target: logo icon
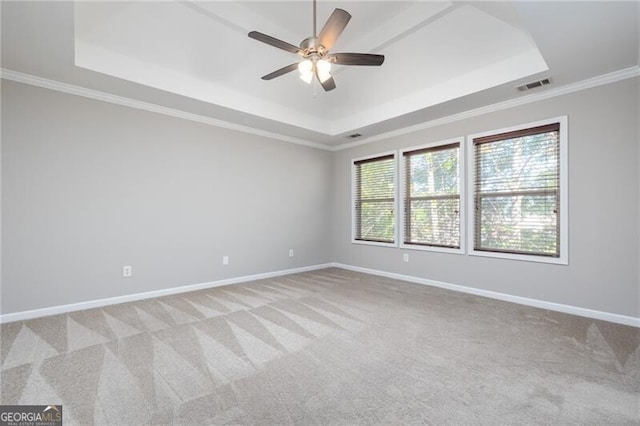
column 30, row 415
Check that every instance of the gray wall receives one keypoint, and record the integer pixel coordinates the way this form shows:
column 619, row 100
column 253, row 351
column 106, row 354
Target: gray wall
column 88, row 187
column 603, row 208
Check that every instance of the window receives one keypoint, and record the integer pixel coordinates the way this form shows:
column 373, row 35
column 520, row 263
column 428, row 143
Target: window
column 374, row 199
column 519, row 193
column 502, row 193
column 432, row 197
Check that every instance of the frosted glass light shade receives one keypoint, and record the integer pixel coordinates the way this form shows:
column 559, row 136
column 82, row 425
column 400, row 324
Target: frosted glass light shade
column 306, row 71
column 324, row 70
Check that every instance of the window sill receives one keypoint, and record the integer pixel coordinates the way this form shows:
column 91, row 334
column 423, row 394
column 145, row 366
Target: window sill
column 418, row 247
column 562, row 260
column 373, row 243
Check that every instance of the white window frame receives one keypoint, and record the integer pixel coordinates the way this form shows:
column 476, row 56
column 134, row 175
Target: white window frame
column 462, row 186
column 563, row 259
column 395, row 196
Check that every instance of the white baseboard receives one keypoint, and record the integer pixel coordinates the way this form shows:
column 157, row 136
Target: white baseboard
column 575, row 310
column 54, row 310
column 568, row 309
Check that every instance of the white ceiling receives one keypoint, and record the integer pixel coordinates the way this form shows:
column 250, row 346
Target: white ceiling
column 442, row 57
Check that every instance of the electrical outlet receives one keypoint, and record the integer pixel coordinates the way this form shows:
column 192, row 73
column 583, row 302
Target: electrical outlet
column 225, row 260
column 405, row 257
column 127, row 271
column 290, row 252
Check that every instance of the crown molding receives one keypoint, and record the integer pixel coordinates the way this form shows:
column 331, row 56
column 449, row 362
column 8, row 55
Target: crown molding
column 601, row 80
column 72, row 89
column 589, row 83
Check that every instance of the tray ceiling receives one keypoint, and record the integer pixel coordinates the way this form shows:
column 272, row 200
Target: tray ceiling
column 441, row 56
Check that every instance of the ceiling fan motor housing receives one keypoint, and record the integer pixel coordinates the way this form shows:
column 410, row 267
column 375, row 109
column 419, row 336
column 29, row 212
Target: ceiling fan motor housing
column 309, row 47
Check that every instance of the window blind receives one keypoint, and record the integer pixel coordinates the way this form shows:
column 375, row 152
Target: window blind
column 375, row 199
column 432, row 196
column 517, row 192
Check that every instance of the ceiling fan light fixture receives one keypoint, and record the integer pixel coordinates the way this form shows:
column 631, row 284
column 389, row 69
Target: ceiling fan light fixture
column 306, row 77
column 306, row 71
column 324, row 70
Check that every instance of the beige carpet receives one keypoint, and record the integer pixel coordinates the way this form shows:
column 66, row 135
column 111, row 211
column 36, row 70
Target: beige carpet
column 324, row 347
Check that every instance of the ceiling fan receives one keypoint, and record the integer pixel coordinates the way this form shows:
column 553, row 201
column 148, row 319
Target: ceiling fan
column 315, row 51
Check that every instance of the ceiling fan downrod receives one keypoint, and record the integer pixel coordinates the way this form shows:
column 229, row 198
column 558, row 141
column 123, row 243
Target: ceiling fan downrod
column 315, row 33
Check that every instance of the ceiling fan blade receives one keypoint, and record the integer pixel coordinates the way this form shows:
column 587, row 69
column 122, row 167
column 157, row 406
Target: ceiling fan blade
column 357, row 59
column 280, row 72
column 273, row 42
column 333, row 28
column 328, row 84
